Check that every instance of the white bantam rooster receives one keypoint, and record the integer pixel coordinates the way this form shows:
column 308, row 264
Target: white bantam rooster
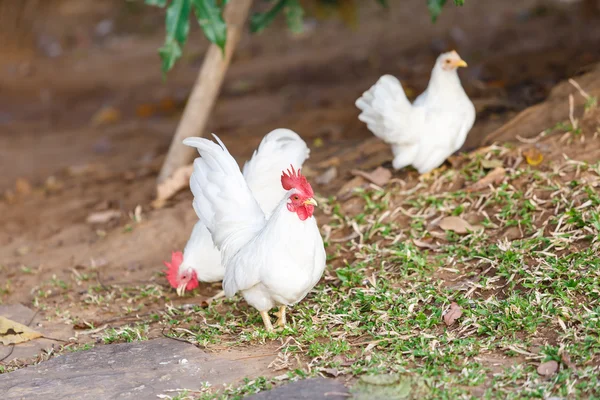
column 201, row 260
column 272, row 260
column 423, row 134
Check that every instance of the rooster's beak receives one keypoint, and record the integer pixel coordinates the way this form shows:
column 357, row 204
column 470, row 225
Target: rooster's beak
column 181, row 289
column 459, row 63
column 311, row 201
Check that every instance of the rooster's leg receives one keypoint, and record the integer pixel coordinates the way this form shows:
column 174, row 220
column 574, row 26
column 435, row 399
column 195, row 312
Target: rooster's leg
column 266, row 321
column 280, row 316
column 433, row 173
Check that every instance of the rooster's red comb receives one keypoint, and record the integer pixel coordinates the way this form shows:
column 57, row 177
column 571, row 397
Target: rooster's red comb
column 295, row 180
column 173, row 268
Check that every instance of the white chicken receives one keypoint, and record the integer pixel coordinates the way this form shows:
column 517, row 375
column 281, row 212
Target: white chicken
column 423, row 134
column 201, row 259
column 272, row 260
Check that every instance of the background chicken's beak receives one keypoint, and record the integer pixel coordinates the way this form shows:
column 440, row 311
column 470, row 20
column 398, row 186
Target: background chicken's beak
column 460, row 63
column 181, row 289
column 311, row 201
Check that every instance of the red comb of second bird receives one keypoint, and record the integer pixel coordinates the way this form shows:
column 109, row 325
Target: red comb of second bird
column 173, row 268
column 295, row 180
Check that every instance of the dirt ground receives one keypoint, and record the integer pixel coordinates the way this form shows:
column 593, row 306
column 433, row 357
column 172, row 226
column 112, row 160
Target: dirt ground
column 58, row 166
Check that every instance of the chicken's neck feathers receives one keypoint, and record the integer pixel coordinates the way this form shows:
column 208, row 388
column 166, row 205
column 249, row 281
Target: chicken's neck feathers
column 444, row 84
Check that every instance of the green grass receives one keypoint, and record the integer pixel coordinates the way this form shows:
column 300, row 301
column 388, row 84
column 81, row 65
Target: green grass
column 528, row 286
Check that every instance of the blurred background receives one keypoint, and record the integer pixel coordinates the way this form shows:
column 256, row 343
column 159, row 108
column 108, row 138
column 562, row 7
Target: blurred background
column 80, row 80
column 86, row 116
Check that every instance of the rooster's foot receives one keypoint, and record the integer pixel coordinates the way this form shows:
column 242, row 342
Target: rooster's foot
column 433, row 173
column 280, row 316
column 267, row 321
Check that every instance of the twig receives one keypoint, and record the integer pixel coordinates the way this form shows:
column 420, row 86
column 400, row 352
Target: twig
column 581, row 91
column 574, row 121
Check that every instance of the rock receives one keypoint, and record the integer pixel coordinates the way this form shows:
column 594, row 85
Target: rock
column 307, row 389
column 137, row 370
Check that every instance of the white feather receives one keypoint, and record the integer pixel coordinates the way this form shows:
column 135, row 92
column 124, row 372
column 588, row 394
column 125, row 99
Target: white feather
column 277, row 150
column 271, row 262
column 427, row 132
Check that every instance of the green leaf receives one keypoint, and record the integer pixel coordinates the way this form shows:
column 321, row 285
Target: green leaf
column 169, row 53
column 435, row 8
column 259, row 21
column 211, row 21
column 178, row 20
column 459, row 2
column 177, row 24
column 384, row 3
column 157, row 3
column 294, row 15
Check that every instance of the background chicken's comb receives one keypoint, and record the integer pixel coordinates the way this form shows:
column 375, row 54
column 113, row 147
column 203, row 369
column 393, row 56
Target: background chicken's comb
column 173, row 267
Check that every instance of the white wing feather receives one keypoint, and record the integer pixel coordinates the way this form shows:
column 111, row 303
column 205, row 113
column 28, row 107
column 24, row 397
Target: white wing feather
column 387, row 111
column 222, row 198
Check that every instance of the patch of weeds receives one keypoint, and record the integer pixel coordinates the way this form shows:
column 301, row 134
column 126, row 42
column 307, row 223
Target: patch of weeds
column 125, row 334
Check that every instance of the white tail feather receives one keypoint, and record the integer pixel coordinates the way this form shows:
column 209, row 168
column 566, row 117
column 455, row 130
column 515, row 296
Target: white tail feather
column 222, row 198
column 387, row 111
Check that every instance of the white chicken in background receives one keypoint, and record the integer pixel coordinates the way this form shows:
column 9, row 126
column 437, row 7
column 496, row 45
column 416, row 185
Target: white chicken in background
column 274, row 261
column 423, row 134
column 201, row 260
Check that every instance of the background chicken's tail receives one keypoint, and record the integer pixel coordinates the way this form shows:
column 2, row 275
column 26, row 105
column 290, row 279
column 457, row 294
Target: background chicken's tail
column 387, row 111
column 278, row 150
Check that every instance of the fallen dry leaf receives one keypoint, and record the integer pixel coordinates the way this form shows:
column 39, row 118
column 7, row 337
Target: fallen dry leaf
column 52, row 184
column 566, row 360
column 490, row 164
column 424, row 244
column 12, row 332
column 458, row 225
column 145, row 110
column 102, row 217
column 455, row 161
column 22, row 186
column 308, row 171
column 105, row 116
column 380, row 176
column 331, row 372
column 330, row 162
column 547, row 368
column 327, row 176
column 9, row 196
column 167, row 189
column 453, row 313
column 82, row 169
column 533, row 156
column 349, row 187
column 493, row 177
column 23, row 250
column 168, row 104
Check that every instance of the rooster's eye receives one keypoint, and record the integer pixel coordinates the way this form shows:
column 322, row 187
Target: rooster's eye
column 296, row 197
column 447, row 61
